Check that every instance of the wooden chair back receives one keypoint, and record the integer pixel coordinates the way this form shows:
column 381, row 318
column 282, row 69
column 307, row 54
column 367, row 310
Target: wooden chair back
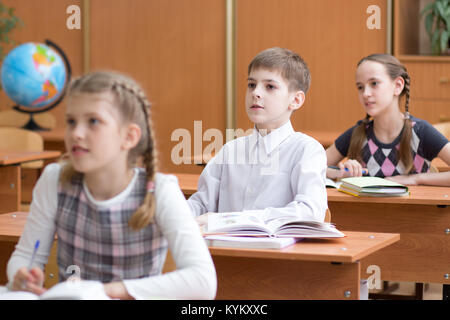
column 13, row 118
column 16, row 139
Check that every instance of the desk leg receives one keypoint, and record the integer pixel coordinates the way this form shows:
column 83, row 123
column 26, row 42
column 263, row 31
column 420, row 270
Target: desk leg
column 446, row 292
column 6, row 249
column 262, row 279
column 10, row 188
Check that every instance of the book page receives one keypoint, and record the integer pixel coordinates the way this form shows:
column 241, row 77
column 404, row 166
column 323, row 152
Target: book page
column 18, row 295
column 76, row 290
column 248, row 222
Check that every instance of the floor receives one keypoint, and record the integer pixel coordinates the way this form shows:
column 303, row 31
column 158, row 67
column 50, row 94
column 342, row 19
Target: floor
column 432, row 291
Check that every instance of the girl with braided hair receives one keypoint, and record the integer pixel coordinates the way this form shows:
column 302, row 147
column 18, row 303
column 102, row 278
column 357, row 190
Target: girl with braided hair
column 387, row 142
column 113, row 219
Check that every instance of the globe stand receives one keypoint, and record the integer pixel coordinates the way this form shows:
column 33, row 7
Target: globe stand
column 32, row 125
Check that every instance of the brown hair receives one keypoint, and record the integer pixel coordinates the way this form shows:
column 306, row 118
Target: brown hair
column 133, row 107
column 292, row 67
column 394, row 69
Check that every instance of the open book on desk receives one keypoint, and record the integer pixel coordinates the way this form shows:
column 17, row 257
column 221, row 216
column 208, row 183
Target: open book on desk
column 259, row 223
column 68, row 290
column 332, row 184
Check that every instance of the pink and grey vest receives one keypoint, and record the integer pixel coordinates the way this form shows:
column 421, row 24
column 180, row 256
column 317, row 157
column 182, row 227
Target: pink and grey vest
column 98, row 243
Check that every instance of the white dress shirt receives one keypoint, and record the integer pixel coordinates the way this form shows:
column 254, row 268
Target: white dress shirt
column 282, row 171
column 195, row 277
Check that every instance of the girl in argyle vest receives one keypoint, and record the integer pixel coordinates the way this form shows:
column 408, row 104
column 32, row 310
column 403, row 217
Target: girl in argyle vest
column 387, row 142
column 114, row 216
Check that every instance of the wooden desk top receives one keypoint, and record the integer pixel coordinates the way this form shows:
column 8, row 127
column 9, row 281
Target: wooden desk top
column 418, row 195
column 11, row 225
column 15, row 157
column 355, row 246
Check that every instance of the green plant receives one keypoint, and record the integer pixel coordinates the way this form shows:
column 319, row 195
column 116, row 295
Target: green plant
column 8, row 22
column 437, row 24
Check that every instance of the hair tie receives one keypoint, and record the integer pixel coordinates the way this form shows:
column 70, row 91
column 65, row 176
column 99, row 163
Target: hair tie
column 407, row 116
column 150, row 187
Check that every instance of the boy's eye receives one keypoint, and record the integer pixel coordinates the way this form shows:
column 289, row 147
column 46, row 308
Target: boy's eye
column 93, row 121
column 251, row 85
column 374, row 83
column 270, row 87
column 70, row 122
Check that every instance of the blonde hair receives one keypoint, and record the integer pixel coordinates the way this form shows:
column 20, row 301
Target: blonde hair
column 291, row 66
column 133, row 107
column 394, row 69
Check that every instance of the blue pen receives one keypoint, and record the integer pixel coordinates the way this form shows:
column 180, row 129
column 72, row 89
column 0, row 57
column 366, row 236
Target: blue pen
column 346, row 169
column 36, row 247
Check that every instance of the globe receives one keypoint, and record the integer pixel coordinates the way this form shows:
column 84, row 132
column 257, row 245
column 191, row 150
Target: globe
column 35, row 75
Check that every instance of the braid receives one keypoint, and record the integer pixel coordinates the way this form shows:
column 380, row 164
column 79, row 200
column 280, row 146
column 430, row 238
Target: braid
column 357, row 140
column 404, row 150
column 145, row 213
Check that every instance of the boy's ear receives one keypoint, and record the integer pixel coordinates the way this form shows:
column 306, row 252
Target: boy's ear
column 132, row 136
column 399, row 83
column 297, row 100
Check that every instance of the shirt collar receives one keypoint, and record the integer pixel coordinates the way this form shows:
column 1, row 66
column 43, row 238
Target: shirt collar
column 271, row 141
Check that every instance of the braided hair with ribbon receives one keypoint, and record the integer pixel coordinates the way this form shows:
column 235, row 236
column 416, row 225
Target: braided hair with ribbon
column 133, row 107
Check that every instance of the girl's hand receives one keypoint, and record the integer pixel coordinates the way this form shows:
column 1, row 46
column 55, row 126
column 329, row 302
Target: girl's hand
column 117, row 290
column 410, row 179
column 351, row 168
column 29, row 280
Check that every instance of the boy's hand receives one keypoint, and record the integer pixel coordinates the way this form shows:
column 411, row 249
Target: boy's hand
column 202, row 221
column 29, row 280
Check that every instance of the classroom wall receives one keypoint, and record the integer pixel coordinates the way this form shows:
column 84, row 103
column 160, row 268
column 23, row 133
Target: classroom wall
column 176, row 50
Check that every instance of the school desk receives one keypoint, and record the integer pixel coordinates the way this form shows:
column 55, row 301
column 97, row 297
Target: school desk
column 423, row 221
column 10, row 175
column 11, row 227
column 309, row 269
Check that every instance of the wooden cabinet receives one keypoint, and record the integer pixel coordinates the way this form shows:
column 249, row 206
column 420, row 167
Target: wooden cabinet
column 430, row 75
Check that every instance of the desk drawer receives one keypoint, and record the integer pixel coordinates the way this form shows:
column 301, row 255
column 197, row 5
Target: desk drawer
column 429, row 80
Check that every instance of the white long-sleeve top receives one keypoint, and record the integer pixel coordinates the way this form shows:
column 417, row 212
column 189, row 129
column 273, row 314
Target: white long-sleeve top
column 283, row 171
column 195, row 277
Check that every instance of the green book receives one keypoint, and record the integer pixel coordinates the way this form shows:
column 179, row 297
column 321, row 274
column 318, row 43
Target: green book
column 372, row 187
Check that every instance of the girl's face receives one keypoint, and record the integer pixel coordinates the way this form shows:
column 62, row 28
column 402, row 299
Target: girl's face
column 94, row 136
column 377, row 92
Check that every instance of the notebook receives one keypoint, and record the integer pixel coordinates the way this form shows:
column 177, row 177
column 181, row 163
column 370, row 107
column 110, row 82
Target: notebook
column 372, row 187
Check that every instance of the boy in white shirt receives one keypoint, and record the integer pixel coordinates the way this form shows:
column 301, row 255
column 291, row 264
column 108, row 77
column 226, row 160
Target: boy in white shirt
column 275, row 168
